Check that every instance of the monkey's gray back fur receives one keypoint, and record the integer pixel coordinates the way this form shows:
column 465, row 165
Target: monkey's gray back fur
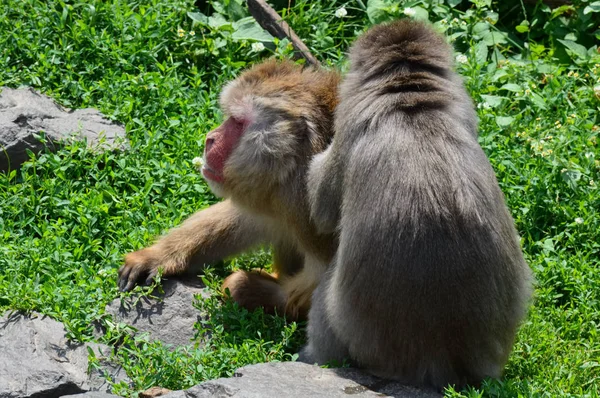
column 429, row 282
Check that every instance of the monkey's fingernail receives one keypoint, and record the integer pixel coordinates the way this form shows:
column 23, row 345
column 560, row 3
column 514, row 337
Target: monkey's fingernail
column 123, row 276
column 129, row 286
column 150, row 279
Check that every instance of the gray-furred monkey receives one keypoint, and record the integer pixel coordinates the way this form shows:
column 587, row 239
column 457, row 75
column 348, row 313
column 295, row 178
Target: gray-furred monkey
column 429, row 284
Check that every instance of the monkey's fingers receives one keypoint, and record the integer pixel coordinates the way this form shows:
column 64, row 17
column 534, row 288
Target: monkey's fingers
column 123, row 277
column 151, row 275
column 128, row 276
column 138, row 267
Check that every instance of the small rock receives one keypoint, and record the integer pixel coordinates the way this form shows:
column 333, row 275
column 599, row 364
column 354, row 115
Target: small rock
column 25, row 112
column 300, row 380
column 92, row 394
column 36, row 359
column 170, row 318
column 154, row 392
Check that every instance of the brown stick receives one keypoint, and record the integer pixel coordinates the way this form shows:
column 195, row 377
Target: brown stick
column 272, row 22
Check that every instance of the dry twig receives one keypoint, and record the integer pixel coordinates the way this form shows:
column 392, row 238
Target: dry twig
column 272, row 22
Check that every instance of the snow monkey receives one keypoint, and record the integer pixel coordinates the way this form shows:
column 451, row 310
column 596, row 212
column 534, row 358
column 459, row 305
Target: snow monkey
column 428, row 284
column 277, row 116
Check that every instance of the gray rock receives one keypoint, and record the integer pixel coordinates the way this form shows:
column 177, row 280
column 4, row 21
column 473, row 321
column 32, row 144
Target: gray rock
column 25, row 112
column 300, row 380
column 91, row 394
column 36, row 359
column 169, row 318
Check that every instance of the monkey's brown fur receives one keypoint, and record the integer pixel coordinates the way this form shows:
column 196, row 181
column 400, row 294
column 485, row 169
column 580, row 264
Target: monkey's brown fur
column 292, row 112
column 428, row 284
column 255, row 289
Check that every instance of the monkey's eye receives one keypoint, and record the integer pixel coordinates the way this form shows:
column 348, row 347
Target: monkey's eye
column 239, row 123
column 234, row 126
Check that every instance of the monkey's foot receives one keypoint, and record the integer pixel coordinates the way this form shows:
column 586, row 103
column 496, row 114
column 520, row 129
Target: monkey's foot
column 255, row 289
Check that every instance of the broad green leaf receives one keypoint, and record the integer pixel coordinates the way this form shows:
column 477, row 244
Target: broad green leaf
column 571, row 177
column 515, row 88
column 481, row 3
column 480, row 28
column 454, row 3
column 548, row 245
column 421, row 14
column 499, row 74
column 538, row 100
column 235, row 10
column 456, row 35
column 492, row 100
column 562, row 10
column 198, row 17
column 570, row 36
column 574, row 49
column 481, row 52
column 489, row 36
column 503, row 121
column 545, row 68
column 218, row 21
column 592, row 7
column 537, row 48
column 492, row 17
column 492, row 37
column 219, row 7
column 248, row 29
column 220, row 43
column 377, row 11
column 523, row 27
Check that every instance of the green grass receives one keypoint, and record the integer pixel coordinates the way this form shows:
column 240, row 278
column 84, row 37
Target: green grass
column 67, row 219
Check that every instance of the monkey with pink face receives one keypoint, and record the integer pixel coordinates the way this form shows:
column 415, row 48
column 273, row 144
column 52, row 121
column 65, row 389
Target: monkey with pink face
column 277, row 116
column 428, row 284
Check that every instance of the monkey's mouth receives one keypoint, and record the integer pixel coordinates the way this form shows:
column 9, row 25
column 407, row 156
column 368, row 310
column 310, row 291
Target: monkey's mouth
column 210, row 174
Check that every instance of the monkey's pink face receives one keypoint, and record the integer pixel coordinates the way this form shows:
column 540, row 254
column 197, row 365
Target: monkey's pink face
column 218, row 147
column 257, row 145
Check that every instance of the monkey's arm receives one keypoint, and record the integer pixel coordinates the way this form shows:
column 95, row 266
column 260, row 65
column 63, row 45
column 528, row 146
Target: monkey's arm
column 220, row 231
column 325, row 185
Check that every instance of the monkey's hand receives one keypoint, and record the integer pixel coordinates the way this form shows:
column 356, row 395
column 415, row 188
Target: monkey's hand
column 143, row 265
column 220, row 231
column 322, row 193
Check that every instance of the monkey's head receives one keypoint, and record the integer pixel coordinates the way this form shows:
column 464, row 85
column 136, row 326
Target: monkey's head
column 277, row 115
column 399, row 44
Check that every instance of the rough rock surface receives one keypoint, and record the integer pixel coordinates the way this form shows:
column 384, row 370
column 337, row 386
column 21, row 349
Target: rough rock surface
column 299, row 380
column 37, row 360
column 25, row 112
column 170, row 318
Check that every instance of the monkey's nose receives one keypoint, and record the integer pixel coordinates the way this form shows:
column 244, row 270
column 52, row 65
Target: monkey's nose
column 208, row 144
